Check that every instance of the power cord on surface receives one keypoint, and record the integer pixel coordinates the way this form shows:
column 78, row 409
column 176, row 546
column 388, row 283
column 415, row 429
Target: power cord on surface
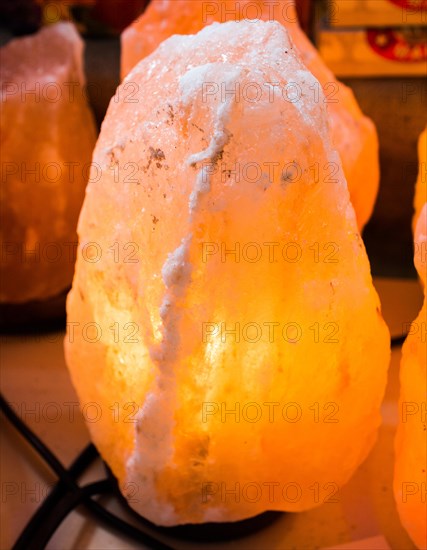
column 68, row 495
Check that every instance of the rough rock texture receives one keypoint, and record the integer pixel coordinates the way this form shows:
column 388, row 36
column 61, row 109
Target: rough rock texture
column 421, row 185
column 186, row 176
column 47, row 140
column 354, row 135
column 411, row 447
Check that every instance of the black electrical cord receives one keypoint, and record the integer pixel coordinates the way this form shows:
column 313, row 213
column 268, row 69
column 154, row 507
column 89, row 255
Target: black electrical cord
column 36, row 443
column 83, row 461
column 67, row 495
column 53, row 520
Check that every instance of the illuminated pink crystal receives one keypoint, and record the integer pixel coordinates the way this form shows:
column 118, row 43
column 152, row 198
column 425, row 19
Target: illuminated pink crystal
column 179, row 167
column 47, row 139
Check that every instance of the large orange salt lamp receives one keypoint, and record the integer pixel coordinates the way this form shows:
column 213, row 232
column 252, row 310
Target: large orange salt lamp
column 410, row 477
column 421, row 184
column 353, row 134
column 48, row 135
column 236, row 282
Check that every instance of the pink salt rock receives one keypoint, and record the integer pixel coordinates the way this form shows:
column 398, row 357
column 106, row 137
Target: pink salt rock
column 410, row 479
column 48, row 135
column 353, row 134
column 420, row 197
column 187, row 173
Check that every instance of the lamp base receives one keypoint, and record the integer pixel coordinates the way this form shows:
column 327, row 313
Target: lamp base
column 34, row 316
column 202, row 532
column 218, row 532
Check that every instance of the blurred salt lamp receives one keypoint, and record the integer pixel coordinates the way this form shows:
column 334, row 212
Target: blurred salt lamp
column 48, row 135
column 421, row 184
column 410, row 477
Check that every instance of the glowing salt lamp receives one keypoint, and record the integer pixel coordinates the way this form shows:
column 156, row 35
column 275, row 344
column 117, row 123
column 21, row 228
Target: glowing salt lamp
column 48, row 135
column 411, row 453
column 410, row 478
column 161, row 328
column 421, row 185
column 353, row 134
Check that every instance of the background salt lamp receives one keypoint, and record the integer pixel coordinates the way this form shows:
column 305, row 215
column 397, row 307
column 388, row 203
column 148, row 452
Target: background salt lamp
column 93, row 17
column 48, row 135
column 149, row 338
column 410, row 475
column 421, row 185
column 353, row 134
column 411, row 453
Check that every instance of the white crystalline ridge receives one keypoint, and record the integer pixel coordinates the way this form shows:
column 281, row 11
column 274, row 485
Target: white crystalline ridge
column 176, row 273
column 190, row 85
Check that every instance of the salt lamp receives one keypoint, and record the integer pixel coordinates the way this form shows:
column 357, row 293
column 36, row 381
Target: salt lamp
column 48, row 135
column 410, row 478
column 421, row 185
column 353, row 134
column 231, row 337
